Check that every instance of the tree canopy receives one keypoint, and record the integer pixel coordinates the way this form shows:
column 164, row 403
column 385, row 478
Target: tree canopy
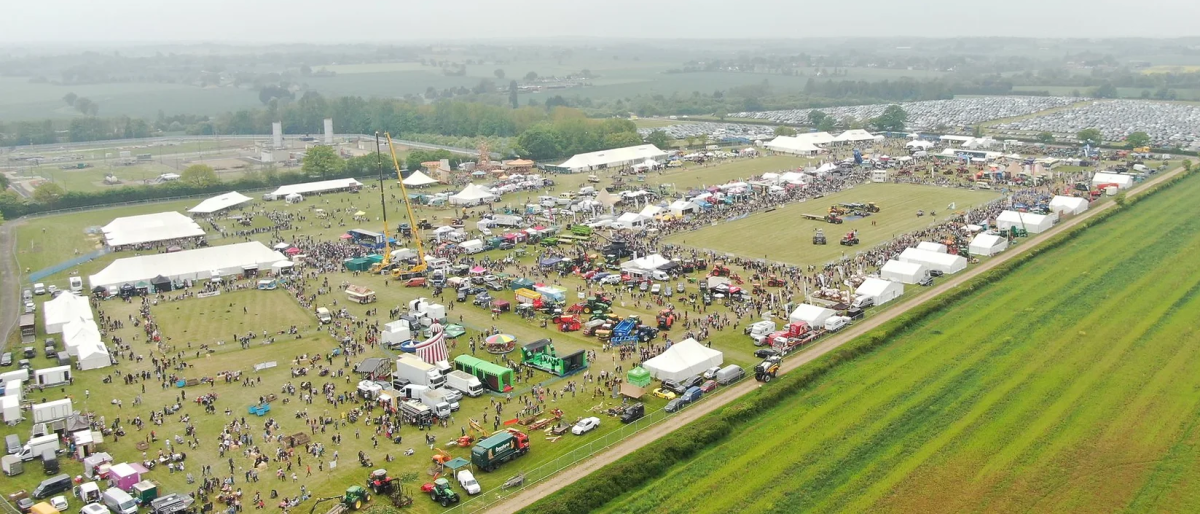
column 1138, row 139
column 1090, row 136
column 199, row 175
column 659, row 139
column 321, row 162
column 1044, row 138
column 784, row 130
column 48, row 193
column 892, row 119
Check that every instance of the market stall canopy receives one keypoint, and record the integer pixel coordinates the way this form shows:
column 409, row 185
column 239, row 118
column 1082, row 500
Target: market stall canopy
column 418, row 178
column 148, row 228
column 220, row 203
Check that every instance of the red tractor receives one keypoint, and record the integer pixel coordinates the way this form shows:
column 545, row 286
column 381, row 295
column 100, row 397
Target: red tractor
column 719, row 269
column 850, row 239
column 775, row 281
column 666, row 319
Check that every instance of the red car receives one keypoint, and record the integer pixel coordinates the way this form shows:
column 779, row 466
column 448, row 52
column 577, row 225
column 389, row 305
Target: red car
column 708, row 386
column 415, row 282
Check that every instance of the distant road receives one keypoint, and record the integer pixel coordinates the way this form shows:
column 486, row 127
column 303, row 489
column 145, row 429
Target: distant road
column 58, row 147
column 568, row 476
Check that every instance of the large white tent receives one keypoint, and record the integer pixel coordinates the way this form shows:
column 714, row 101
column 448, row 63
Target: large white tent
column 987, row 244
column 220, row 203
column 148, row 228
column 1068, row 205
column 854, row 136
column 681, row 207
column 1032, row 223
column 1103, row 177
column 919, row 144
column 93, row 356
column 80, row 333
column 322, row 186
column 903, row 272
column 64, row 309
column 418, row 178
column 191, row 264
column 880, row 290
column 472, row 194
column 943, row 262
column 792, row 145
column 682, row 360
column 931, row 246
column 811, row 314
column 627, row 156
column 648, row 263
column 651, row 211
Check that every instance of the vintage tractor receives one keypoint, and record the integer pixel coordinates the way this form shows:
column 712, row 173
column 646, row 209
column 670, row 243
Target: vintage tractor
column 440, row 492
column 767, row 369
column 719, row 269
column 355, row 498
column 836, row 210
column 775, row 281
column 872, row 207
column 850, row 239
column 819, row 237
column 380, row 483
column 666, row 319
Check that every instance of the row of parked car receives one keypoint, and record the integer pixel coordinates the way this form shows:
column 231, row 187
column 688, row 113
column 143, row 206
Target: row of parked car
column 680, row 394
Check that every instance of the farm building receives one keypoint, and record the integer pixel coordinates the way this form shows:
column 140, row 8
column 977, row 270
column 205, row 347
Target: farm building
column 811, row 314
column 932, row 247
column 1103, row 177
column 149, row 228
column 903, row 272
column 616, row 157
column 1068, row 205
column 988, row 244
column 323, row 186
column 1033, row 223
column 879, row 290
column 220, row 203
column 942, row 262
column 67, row 307
column 792, row 145
column 682, row 360
column 197, row 264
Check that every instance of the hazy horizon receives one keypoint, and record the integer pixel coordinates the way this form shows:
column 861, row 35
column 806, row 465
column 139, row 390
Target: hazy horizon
column 68, row 22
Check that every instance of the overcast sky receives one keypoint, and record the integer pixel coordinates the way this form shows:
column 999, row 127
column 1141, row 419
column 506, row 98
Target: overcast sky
column 324, row 21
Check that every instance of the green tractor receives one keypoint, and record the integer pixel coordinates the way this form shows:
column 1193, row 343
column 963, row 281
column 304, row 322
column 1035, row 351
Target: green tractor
column 442, row 493
column 596, row 305
column 355, row 498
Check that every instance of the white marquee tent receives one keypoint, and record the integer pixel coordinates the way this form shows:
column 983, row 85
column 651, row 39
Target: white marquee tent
column 62, row 310
column 148, row 228
column 919, row 144
column 627, row 156
column 418, row 178
column 648, row 263
column 651, row 211
column 942, row 262
column 681, row 207
column 80, row 333
column 219, row 203
column 472, row 194
column 1068, row 205
column 932, row 247
column 903, row 272
column 792, row 145
column 682, row 360
column 190, row 264
column 854, row 136
column 988, row 244
column 1033, row 223
column 93, row 356
column 882, row 291
column 811, row 314
column 316, row 187
column 1122, row 181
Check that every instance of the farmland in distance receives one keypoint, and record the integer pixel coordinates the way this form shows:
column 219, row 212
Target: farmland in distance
column 1069, row 386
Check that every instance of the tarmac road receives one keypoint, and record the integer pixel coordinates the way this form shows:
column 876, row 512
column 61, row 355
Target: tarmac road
column 568, row 476
column 10, row 280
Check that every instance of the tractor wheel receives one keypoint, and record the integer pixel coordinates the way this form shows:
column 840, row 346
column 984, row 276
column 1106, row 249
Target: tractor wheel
column 368, row 500
column 444, row 502
column 767, row 377
column 433, row 496
column 587, row 310
column 358, row 504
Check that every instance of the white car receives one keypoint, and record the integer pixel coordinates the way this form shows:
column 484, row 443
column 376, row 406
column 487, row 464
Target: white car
column 468, row 483
column 711, row 373
column 611, row 279
column 93, row 508
column 585, row 425
column 656, row 288
column 59, row 503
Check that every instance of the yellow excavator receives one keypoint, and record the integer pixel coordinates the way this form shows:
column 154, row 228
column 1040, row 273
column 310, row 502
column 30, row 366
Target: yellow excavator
column 398, row 272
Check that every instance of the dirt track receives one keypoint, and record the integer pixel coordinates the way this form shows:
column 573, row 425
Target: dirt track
column 725, row 396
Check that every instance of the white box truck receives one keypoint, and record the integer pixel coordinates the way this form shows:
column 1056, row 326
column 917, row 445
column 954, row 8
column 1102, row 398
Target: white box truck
column 437, row 401
column 36, row 446
column 396, row 333
column 52, row 411
column 464, row 383
column 410, row 369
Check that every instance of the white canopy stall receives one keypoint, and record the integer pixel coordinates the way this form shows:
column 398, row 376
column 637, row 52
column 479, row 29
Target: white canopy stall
column 880, row 290
column 988, row 244
column 932, row 247
column 1032, row 223
column 942, row 262
column 813, row 315
column 220, row 203
column 93, row 356
column 67, row 307
column 682, row 360
column 1068, row 205
column 418, row 179
column 472, row 194
column 903, row 272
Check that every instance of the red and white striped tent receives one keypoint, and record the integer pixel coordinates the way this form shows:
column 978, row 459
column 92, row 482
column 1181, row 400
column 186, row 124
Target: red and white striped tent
column 433, row 349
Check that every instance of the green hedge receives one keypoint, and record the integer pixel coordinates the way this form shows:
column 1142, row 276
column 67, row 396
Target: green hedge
column 657, row 458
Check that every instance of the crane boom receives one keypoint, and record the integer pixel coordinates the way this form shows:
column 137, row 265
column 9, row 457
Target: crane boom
column 412, row 218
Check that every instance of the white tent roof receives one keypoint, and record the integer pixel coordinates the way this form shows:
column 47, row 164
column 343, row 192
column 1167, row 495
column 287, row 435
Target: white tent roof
column 682, row 360
column 1068, row 204
column 930, row 246
column 93, row 356
column 1122, row 181
column 148, row 228
column 471, row 193
column 614, row 157
column 221, row 202
column 317, row 187
column 792, row 144
column 903, row 272
column 944, row 262
column 987, row 244
column 1033, row 223
column 648, row 263
column 190, row 264
column 650, row 211
column 418, row 178
column 854, row 135
column 875, row 287
column 924, row 145
column 679, row 206
column 811, row 314
column 630, row 217
column 80, row 333
column 62, row 310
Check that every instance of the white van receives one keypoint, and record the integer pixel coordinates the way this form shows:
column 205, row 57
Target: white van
column 39, row 288
column 119, row 502
column 438, row 263
column 76, row 284
column 324, row 316
column 835, row 323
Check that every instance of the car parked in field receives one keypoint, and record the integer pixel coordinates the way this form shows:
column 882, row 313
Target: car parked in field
column 468, row 483
column 711, row 372
column 673, row 386
column 585, row 425
column 675, row 405
column 664, row 393
column 708, row 386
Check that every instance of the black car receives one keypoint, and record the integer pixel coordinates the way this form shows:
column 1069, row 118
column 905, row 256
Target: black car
column 675, row 405
column 6, row 359
column 926, row 281
column 633, row 413
column 29, row 352
column 673, row 386
column 692, row 381
column 765, row 352
column 935, row 273
column 507, row 245
column 462, row 295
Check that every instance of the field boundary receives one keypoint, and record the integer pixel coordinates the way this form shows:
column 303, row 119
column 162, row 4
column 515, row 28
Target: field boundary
column 960, row 285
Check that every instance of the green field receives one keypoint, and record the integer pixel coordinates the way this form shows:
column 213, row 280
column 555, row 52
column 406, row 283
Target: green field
column 792, row 242
column 1068, row 386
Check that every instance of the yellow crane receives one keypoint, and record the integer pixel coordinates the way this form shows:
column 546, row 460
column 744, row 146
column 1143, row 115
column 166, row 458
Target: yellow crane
column 412, row 219
column 387, row 245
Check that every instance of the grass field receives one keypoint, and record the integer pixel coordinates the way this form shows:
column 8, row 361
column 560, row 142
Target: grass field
column 792, row 242
column 1068, row 386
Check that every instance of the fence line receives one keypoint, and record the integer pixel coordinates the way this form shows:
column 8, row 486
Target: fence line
column 63, row 266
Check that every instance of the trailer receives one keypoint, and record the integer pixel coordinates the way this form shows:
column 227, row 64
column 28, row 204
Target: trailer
column 52, row 376
column 540, row 354
column 493, row 376
column 51, row 411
